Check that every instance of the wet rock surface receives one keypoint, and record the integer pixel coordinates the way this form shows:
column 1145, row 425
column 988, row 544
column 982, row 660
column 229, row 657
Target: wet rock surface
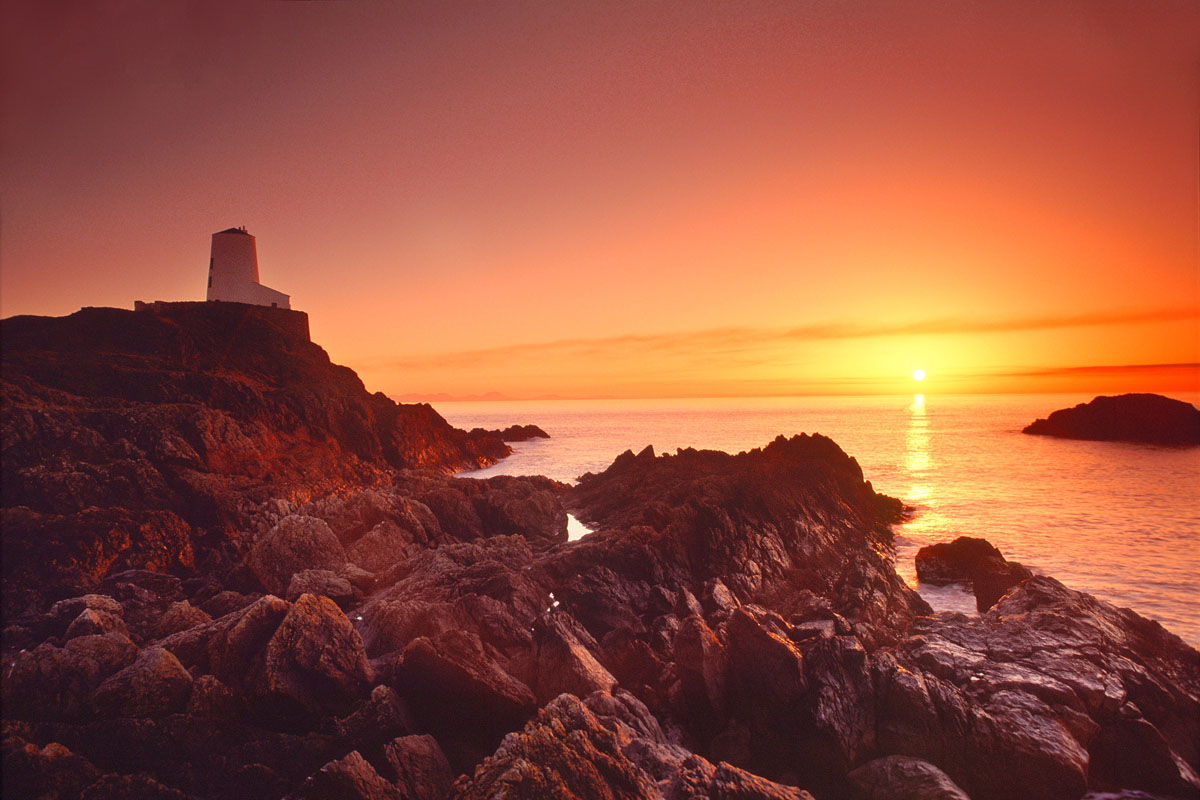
column 1147, row 418
column 974, row 562
column 733, row 629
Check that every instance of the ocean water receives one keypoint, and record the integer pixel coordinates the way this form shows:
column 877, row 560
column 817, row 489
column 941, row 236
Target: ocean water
column 1120, row 521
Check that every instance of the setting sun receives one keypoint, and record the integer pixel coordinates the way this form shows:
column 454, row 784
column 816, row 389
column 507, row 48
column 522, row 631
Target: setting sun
column 918, row 374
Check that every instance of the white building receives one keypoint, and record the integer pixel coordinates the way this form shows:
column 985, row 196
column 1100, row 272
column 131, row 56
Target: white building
column 233, row 272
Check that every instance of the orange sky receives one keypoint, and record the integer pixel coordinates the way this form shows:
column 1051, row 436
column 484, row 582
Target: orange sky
column 632, row 199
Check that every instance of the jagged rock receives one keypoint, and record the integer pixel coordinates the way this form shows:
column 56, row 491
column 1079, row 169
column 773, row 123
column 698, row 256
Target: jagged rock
column 213, row 699
column 458, row 690
column 348, row 778
column 758, row 521
column 1149, row 418
column 351, row 515
column 529, row 506
column 91, row 622
column 563, row 665
column 160, row 584
column 418, row 767
column 717, row 597
column 179, row 617
column 325, row 583
column 383, row 716
column 972, row 561
column 132, row 437
column 747, row 601
column 64, row 612
column 568, row 752
column 1035, row 698
column 809, row 707
column 231, row 647
column 49, row 682
column 382, row 546
column 110, row 651
column 52, row 771
column 226, row 602
column 295, row 544
column 358, row 577
column 315, row 658
column 485, row 587
column 702, row 664
column 123, row 787
column 903, row 778
column 155, row 684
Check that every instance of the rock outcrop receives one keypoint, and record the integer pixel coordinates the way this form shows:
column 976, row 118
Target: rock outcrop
column 1148, row 418
column 307, row 605
column 133, row 438
column 974, row 562
column 515, row 433
column 1032, row 698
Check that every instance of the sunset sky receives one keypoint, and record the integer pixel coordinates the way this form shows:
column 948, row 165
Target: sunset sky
column 631, row 199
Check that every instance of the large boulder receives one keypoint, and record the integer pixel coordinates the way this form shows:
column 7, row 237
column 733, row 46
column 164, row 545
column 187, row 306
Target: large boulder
column 315, row 659
column 1149, row 418
column 459, row 690
column 348, row 778
column 562, row 664
column 92, row 622
column 975, row 562
column 178, row 617
column 903, row 778
column 52, row 771
column 809, row 706
column 418, row 767
column 571, row 752
column 1049, row 693
column 49, row 682
column 154, row 685
column 325, row 583
column 297, row 543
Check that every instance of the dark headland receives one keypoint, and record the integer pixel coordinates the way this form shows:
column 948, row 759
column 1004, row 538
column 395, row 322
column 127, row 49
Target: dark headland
column 1145, row 418
column 232, row 572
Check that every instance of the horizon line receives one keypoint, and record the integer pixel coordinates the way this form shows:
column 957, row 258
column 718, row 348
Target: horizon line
column 1097, row 370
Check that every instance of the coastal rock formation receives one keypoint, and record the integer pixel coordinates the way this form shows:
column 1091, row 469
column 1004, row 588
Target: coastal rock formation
column 1148, row 418
column 1049, row 693
column 779, row 526
column 975, row 562
column 514, row 433
column 130, row 438
column 615, row 752
column 733, row 629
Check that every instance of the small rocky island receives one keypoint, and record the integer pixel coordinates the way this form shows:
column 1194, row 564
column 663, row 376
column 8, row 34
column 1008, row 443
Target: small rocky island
column 1145, row 418
column 231, row 572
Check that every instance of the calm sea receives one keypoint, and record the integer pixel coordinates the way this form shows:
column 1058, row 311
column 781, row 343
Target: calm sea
column 1121, row 521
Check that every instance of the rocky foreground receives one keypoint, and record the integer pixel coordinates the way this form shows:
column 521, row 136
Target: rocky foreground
column 733, row 629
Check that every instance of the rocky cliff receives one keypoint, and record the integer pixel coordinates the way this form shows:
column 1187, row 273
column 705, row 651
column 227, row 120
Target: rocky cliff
column 151, row 438
column 733, row 629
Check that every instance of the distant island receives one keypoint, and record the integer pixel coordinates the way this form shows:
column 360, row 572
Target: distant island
column 1146, row 418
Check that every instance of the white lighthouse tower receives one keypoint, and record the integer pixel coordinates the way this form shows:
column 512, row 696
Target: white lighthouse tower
column 233, row 272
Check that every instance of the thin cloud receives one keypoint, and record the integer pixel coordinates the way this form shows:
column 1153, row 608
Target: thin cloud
column 1105, row 370
column 739, row 341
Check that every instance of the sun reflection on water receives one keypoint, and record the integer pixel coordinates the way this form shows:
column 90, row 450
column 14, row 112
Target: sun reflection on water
column 918, row 459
